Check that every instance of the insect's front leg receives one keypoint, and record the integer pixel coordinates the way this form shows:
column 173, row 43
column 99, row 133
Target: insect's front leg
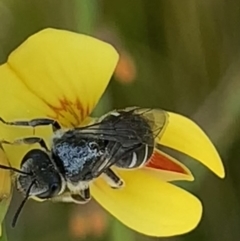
column 68, row 197
column 27, row 141
column 34, row 123
column 83, row 197
column 65, row 198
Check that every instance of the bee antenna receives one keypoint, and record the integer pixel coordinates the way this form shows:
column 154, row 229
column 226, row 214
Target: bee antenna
column 15, row 170
column 20, row 208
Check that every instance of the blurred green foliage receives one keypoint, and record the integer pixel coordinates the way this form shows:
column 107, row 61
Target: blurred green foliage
column 184, row 57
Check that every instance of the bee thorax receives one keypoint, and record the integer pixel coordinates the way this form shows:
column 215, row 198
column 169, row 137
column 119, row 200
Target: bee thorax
column 77, row 157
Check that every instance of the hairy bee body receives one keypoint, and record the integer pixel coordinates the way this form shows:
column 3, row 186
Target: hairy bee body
column 80, row 153
column 77, row 155
column 131, row 125
column 122, row 138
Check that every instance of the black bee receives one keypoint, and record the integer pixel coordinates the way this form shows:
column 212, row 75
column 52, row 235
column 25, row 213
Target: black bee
column 122, row 138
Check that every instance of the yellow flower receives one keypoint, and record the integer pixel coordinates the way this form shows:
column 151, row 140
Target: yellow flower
column 5, row 187
column 61, row 75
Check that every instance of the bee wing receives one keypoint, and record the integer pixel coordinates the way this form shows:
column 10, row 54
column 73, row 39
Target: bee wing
column 125, row 127
column 5, row 186
column 96, row 131
column 125, row 131
column 137, row 129
column 157, row 119
column 110, row 158
column 107, row 131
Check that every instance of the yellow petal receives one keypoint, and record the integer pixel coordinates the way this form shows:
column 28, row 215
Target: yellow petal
column 67, row 71
column 167, row 167
column 57, row 74
column 149, row 205
column 5, row 186
column 184, row 135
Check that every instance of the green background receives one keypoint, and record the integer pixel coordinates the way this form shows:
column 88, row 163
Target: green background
column 179, row 55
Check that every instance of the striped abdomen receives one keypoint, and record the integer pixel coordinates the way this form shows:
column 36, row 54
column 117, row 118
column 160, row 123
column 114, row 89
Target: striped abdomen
column 136, row 158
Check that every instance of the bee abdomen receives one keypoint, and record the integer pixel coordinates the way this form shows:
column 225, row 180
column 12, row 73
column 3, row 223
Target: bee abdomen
column 137, row 158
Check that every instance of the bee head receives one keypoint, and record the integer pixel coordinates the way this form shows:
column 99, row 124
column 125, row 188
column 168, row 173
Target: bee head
column 38, row 177
column 44, row 176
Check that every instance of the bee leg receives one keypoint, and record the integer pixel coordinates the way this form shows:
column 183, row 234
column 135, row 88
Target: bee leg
column 27, row 141
column 77, row 198
column 67, row 198
column 34, row 123
column 86, row 194
column 83, row 197
column 113, row 180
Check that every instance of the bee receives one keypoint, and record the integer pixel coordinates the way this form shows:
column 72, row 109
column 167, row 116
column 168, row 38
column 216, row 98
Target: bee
column 124, row 138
